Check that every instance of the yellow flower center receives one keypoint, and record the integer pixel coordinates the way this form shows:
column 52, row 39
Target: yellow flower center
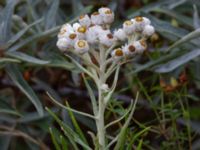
column 72, row 36
column 143, row 43
column 95, row 13
column 139, row 19
column 131, row 48
column 82, row 29
column 118, row 52
column 81, row 16
column 108, row 12
column 128, row 22
column 81, row 43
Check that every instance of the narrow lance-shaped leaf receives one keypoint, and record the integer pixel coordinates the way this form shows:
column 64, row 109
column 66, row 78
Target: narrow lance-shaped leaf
column 171, row 65
column 19, row 81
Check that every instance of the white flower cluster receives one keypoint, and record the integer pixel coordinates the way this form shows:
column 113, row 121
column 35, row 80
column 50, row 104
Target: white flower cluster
column 92, row 31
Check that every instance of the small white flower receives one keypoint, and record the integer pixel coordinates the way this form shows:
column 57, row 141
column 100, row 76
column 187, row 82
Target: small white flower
column 81, row 46
column 72, row 38
column 128, row 27
column 129, row 50
column 85, row 20
column 140, row 23
column 92, row 34
column 76, row 26
column 140, row 46
column 96, row 18
column 105, row 87
column 65, row 30
column 107, row 15
column 106, row 38
column 117, row 54
column 120, row 35
column 63, row 44
column 81, row 32
column 148, row 30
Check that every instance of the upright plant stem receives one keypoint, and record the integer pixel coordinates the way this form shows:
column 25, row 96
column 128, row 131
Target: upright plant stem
column 100, row 116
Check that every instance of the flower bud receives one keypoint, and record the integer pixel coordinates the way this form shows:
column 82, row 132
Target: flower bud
column 148, row 31
column 120, row 35
column 106, row 38
column 140, row 46
column 140, row 23
column 117, row 54
column 81, row 46
column 96, row 18
column 128, row 27
column 107, row 15
column 85, row 20
column 63, row 44
column 129, row 50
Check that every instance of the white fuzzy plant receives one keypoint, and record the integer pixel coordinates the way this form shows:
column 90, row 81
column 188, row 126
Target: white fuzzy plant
column 101, row 54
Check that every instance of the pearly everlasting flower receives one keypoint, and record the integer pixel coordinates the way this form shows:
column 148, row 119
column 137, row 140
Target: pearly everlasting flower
column 63, row 44
column 105, row 87
column 76, row 26
column 72, row 38
column 81, row 32
column 148, row 30
column 107, row 15
column 65, row 30
column 117, row 54
column 120, row 35
column 140, row 23
column 96, row 18
column 85, row 20
column 106, row 38
column 92, row 34
column 129, row 50
column 128, row 27
column 81, row 46
column 140, row 46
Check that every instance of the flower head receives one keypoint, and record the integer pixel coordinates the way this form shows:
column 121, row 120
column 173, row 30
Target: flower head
column 120, row 35
column 63, row 44
column 148, row 31
column 96, row 18
column 106, row 38
column 81, row 46
column 107, row 15
column 140, row 23
column 128, row 27
column 85, row 20
column 117, row 54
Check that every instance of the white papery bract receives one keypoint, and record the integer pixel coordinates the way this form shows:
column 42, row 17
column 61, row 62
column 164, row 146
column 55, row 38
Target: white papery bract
column 128, row 27
column 129, row 50
column 96, row 18
column 63, row 44
column 92, row 34
column 76, row 26
column 148, row 31
column 140, row 46
column 117, row 54
column 120, row 35
column 85, row 20
column 107, row 15
column 140, row 23
column 106, row 38
column 81, row 46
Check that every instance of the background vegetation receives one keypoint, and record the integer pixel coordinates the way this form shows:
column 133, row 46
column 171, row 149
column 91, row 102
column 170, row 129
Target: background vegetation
column 167, row 76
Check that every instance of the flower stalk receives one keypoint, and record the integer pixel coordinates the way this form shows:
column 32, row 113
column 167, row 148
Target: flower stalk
column 102, row 53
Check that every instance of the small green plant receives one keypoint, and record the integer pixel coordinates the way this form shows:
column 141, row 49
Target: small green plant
column 101, row 54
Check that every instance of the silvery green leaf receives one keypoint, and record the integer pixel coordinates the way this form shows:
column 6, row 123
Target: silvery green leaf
column 171, row 65
column 22, row 32
column 196, row 19
column 19, row 81
column 5, row 22
column 50, row 17
column 27, row 58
